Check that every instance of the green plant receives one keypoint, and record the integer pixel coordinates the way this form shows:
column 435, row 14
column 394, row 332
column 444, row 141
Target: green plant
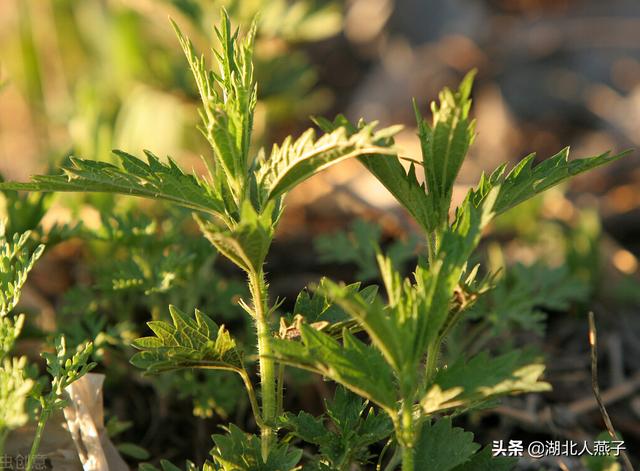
column 344, row 435
column 15, row 386
column 65, row 368
column 238, row 205
column 400, row 370
column 359, row 245
column 141, row 263
column 238, row 208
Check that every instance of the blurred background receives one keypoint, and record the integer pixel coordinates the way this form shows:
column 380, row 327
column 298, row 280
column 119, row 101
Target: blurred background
column 82, row 78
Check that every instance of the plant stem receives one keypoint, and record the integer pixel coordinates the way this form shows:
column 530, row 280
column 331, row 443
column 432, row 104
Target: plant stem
column 267, row 367
column 408, row 436
column 252, row 398
column 280, row 404
column 407, row 458
column 44, row 416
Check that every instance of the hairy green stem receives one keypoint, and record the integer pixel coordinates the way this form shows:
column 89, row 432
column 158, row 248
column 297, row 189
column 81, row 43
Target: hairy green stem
column 280, row 404
column 408, row 436
column 42, row 421
column 267, row 366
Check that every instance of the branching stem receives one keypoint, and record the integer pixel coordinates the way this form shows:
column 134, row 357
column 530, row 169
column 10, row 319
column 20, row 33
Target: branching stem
column 255, row 408
column 44, row 416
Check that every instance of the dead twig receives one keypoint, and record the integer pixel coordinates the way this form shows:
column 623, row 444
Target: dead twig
column 614, row 394
column 596, row 389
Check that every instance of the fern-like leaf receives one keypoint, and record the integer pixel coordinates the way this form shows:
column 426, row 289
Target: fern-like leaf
column 15, row 264
column 14, row 390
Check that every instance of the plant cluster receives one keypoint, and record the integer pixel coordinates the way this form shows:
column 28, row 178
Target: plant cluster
column 385, row 351
column 17, row 384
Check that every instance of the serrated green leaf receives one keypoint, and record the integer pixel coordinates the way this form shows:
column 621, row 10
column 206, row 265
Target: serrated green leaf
column 466, row 384
column 317, row 309
column 445, row 143
column 355, row 365
column 152, row 179
column 187, row 342
column 374, row 318
column 402, row 184
column 239, row 451
column 247, row 242
column 65, row 367
column 525, row 180
column 443, row 447
column 228, row 104
column 343, row 437
column 442, row 278
column 294, row 161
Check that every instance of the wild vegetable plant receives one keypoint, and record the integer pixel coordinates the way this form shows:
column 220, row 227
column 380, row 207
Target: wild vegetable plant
column 400, row 370
column 238, row 204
